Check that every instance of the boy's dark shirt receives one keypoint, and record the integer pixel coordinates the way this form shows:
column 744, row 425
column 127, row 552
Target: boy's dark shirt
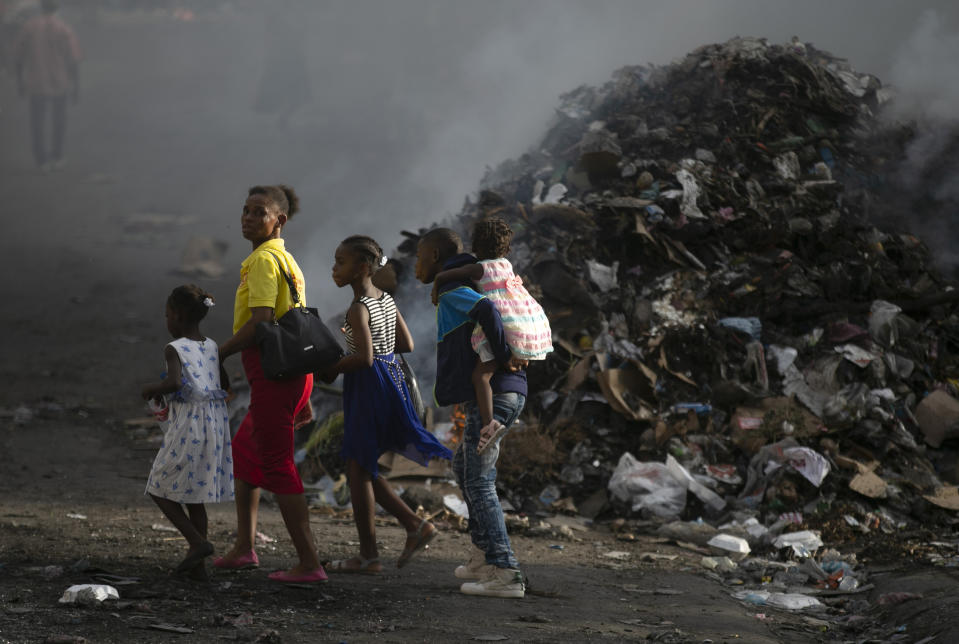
column 460, row 307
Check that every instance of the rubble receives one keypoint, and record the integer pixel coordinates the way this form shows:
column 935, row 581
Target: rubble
column 729, row 320
column 700, row 232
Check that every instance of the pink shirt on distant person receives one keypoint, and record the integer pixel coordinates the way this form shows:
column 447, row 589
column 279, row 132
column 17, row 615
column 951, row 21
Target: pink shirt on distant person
column 47, row 48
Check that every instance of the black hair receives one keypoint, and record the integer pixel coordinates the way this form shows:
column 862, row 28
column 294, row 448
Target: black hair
column 282, row 195
column 366, row 248
column 445, row 240
column 491, row 238
column 189, row 302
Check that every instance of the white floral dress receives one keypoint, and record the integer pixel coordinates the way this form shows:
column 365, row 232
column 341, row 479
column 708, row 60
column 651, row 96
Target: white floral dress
column 195, row 462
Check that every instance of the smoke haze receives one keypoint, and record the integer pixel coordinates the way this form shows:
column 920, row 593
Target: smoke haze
column 383, row 115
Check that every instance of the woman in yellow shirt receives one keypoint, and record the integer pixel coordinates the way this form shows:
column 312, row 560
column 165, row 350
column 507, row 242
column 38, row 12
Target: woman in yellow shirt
column 263, row 445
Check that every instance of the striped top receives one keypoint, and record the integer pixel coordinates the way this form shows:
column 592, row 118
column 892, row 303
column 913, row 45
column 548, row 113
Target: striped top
column 382, row 324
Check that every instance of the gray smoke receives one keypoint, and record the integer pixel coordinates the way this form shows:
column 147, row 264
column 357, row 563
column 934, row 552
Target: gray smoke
column 383, row 115
column 926, row 78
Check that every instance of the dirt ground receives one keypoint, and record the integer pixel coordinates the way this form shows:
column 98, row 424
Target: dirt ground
column 81, row 327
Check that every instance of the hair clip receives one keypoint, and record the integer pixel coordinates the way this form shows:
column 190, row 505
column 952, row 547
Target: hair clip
column 383, row 260
column 208, row 302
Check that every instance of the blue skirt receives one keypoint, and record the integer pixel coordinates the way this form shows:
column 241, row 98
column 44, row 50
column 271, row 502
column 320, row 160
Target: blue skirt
column 378, row 417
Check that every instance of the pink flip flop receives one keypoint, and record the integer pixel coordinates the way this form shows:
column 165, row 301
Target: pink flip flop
column 317, row 576
column 248, row 560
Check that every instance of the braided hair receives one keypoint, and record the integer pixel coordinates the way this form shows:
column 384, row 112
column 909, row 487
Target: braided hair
column 190, row 302
column 367, row 249
column 282, row 195
column 491, row 238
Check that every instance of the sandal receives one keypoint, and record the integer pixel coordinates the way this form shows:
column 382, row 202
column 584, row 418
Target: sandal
column 365, row 567
column 422, row 539
column 489, row 434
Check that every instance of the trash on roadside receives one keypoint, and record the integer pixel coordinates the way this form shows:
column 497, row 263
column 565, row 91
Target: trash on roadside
column 803, row 543
column 734, row 547
column 456, row 505
column 89, row 594
column 786, row 601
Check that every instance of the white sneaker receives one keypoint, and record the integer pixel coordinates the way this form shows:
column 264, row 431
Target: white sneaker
column 499, row 582
column 474, row 568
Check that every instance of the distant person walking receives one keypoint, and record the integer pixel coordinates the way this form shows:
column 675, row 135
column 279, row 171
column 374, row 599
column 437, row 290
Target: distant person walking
column 46, row 56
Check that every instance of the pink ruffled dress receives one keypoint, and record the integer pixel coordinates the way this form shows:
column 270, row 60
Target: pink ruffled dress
column 524, row 321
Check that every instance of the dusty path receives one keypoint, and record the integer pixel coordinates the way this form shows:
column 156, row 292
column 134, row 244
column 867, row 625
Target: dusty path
column 60, row 467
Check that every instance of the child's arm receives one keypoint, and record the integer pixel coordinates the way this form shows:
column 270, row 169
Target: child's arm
column 470, row 272
column 224, row 379
column 170, row 383
column 404, row 339
column 359, row 318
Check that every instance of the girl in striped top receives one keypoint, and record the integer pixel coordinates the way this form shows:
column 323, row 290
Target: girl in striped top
column 524, row 321
column 378, row 413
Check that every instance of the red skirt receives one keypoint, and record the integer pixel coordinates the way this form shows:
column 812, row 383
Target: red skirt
column 263, row 445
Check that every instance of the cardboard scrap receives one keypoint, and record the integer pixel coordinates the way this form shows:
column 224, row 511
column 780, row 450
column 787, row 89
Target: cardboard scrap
column 944, row 497
column 577, row 374
column 615, row 382
column 868, row 483
column 938, row 417
column 399, row 467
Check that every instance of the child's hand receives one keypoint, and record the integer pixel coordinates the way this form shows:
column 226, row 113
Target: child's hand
column 435, row 295
column 516, row 364
column 146, row 391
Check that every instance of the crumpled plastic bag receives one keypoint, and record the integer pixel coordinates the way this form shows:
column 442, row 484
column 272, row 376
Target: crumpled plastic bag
column 787, row 601
column 648, row 487
column 803, row 543
column 808, row 462
column 89, row 594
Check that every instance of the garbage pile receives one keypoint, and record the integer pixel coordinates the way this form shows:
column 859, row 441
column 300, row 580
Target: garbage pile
column 734, row 336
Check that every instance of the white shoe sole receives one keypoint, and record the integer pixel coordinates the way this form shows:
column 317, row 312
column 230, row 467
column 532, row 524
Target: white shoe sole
column 505, row 593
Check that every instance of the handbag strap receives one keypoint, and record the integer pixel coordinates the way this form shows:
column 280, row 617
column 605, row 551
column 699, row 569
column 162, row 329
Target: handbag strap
column 289, row 280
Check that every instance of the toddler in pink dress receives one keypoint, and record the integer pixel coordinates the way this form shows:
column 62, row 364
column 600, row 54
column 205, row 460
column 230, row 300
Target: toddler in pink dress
column 524, row 321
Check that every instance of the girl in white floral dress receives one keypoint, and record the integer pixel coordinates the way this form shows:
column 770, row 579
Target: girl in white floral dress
column 194, row 465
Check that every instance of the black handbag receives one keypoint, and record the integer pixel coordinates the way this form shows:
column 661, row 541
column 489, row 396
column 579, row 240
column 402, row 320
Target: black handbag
column 296, row 344
column 413, row 386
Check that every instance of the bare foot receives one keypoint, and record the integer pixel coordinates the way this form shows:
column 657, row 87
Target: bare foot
column 195, row 555
column 416, row 541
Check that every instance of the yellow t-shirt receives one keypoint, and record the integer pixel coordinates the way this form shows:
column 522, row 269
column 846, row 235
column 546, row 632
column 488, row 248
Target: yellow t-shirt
column 262, row 284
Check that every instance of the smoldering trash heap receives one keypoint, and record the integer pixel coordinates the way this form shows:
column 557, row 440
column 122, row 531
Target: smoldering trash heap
column 746, row 332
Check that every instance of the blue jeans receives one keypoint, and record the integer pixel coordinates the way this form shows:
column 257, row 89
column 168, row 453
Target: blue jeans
column 476, row 476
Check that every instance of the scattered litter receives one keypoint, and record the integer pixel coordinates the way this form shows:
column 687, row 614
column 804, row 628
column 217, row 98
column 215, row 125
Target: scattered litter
column 88, row 594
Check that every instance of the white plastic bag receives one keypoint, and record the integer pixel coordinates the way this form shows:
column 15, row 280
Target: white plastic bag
column 647, row 486
column 89, row 594
column 803, row 543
